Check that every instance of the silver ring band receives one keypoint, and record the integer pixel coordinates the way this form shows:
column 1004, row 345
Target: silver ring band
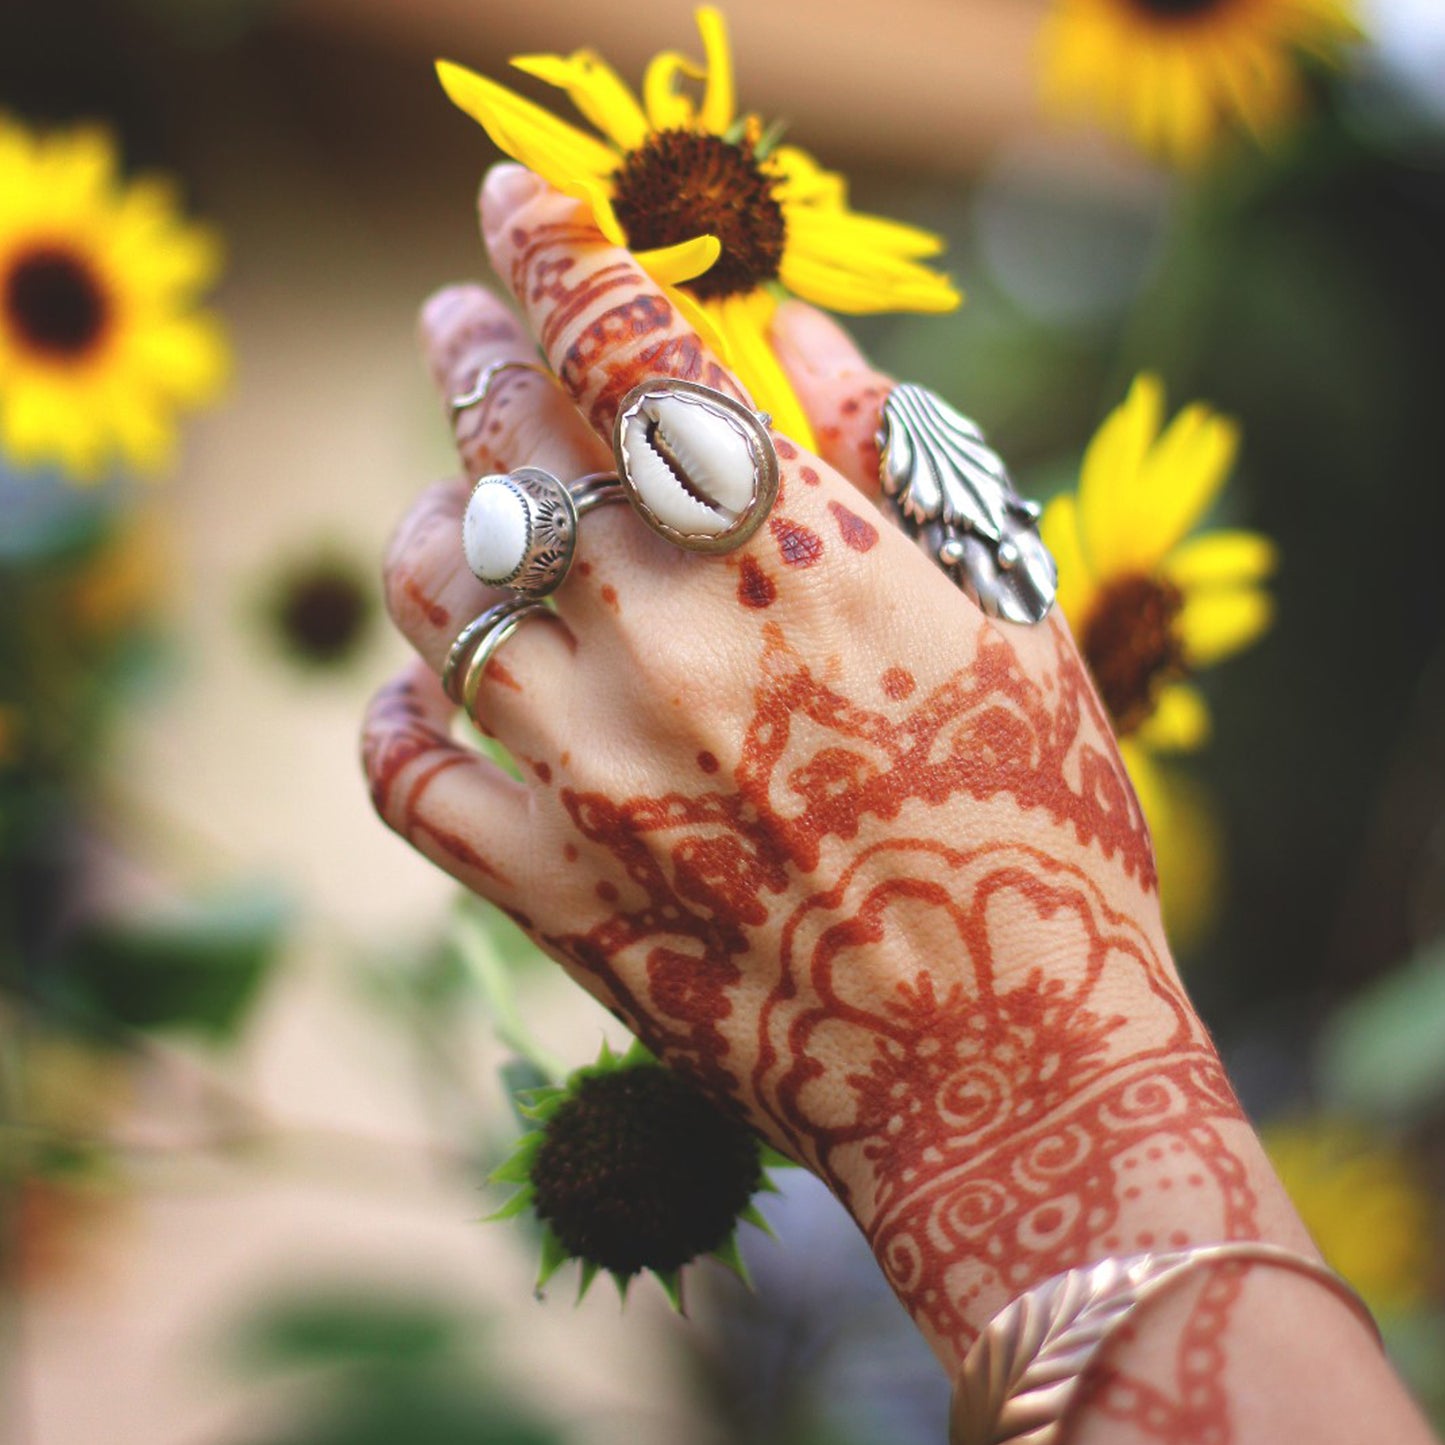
column 487, row 375
column 506, row 618
column 477, row 644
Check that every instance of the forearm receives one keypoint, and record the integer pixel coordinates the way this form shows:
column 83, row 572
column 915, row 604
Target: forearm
column 1153, row 1155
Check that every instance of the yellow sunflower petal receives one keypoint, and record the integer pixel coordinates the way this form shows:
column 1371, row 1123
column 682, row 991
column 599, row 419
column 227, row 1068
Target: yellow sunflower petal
column 1179, row 723
column 598, row 195
column 851, row 285
column 1221, row 559
column 1180, row 479
column 1059, row 528
column 718, row 100
column 667, row 108
column 802, row 179
column 1214, row 625
column 186, row 357
column 1109, row 483
column 1188, row 844
column 855, row 231
column 702, row 320
column 671, row 265
column 745, row 321
column 595, row 89
column 560, row 153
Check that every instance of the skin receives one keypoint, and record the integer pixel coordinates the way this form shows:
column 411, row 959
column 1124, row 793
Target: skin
column 860, row 861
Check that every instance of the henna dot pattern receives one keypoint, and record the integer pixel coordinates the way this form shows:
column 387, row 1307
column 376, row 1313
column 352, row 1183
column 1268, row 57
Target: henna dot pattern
column 630, row 1168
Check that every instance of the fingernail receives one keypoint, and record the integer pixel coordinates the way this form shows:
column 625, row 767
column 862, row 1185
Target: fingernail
column 507, row 188
column 809, row 341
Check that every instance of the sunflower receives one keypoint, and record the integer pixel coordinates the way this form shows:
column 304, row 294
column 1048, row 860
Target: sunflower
column 100, row 338
column 1150, row 605
column 1175, row 74
column 1364, row 1203
column 713, row 206
column 629, row 1168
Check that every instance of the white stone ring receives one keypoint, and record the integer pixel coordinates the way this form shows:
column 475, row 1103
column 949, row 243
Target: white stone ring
column 697, row 465
column 519, row 530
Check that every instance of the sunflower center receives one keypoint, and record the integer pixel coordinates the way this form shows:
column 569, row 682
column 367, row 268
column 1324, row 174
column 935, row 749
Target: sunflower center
column 55, row 303
column 639, row 1171
column 681, row 184
column 1178, row 9
column 322, row 614
column 1132, row 646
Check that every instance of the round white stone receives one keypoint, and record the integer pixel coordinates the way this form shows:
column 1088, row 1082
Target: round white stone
column 495, row 530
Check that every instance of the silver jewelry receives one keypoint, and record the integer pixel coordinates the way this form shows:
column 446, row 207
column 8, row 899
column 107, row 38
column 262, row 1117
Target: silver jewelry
column 519, row 530
column 486, row 376
column 1023, row 1373
column 951, row 492
column 698, row 467
column 477, row 645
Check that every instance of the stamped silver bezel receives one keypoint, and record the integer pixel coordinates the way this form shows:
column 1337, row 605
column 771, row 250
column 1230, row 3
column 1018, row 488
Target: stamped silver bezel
column 559, row 569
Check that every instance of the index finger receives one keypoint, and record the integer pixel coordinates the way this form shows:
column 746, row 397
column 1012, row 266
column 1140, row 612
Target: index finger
column 603, row 322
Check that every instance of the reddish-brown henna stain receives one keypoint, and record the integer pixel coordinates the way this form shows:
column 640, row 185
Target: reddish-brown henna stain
column 397, row 737
column 543, row 771
column 785, row 449
column 708, row 864
column 569, row 852
column 809, row 476
column 604, row 353
column 755, row 588
column 609, row 596
column 433, row 611
column 897, row 683
column 799, row 546
column 860, row 535
column 707, row 762
column 499, row 673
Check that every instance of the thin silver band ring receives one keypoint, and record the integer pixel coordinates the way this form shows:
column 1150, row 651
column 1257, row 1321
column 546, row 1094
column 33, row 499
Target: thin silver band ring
column 507, row 617
column 485, row 633
column 487, row 375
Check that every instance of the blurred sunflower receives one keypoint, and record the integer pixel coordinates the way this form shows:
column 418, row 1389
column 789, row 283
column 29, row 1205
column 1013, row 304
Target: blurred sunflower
column 100, row 339
column 1365, row 1204
column 1150, row 605
column 630, row 1168
column 1175, row 74
column 318, row 609
column 713, row 207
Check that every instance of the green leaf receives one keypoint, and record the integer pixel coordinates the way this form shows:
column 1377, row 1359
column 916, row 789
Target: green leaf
column 345, row 1328
column 554, row 1256
column 1381, row 1055
column 199, row 969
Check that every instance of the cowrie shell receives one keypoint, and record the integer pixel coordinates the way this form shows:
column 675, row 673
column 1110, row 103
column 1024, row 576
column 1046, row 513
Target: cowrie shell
column 698, row 466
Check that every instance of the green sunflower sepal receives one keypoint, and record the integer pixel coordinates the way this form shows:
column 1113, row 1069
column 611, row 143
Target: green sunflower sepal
column 627, row 1167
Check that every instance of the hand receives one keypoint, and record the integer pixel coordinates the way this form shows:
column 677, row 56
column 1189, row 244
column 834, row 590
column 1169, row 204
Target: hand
column 860, row 861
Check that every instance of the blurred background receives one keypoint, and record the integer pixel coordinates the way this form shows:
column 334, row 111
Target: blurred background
column 250, row 1091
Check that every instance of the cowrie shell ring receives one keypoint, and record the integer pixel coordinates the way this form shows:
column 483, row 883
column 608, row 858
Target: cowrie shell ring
column 519, row 530
column 698, row 467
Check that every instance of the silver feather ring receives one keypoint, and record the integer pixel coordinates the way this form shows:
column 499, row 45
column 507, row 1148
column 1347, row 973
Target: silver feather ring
column 950, row 491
